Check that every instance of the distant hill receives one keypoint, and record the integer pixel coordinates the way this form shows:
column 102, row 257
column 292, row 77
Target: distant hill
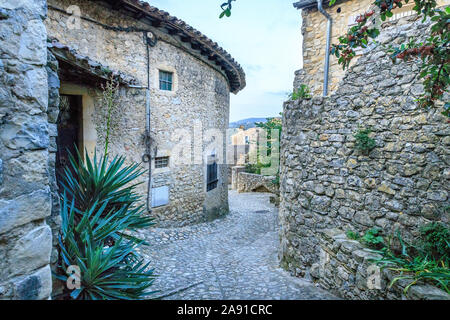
column 247, row 123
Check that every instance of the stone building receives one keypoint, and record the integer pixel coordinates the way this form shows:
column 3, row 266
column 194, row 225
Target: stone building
column 342, row 16
column 242, row 142
column 328, row 187
column 173, row 107
column 190, row 80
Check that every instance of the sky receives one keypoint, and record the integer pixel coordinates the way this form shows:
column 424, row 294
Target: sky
column 263, row 36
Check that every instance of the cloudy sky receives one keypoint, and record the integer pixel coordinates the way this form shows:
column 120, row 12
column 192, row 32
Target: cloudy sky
column 262, row 35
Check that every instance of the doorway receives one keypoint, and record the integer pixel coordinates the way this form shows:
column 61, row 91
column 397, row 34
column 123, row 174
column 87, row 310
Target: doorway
column 70, row 132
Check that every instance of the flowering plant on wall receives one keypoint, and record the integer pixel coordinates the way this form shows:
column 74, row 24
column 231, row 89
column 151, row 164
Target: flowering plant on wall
column 433, row 54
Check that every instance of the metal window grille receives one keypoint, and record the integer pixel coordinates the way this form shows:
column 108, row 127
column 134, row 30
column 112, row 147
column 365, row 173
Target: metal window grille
column 161, row 162
column 165, row 80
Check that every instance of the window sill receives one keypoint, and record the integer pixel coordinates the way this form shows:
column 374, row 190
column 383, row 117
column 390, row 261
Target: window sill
column 166, row 92
column 161, row 206
column 160, row 170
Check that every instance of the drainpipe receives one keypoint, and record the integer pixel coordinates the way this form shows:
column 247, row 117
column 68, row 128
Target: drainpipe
column 147, row 157
column 327, row 49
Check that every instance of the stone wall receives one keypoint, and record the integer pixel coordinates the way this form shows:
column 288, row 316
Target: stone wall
column 343, row 14
column 235, row 171
column 346, row 268
column 54, row 220
column 201, row 91
column 314, row 26
column 25, row 198
column 325, row 183
column 249, row 182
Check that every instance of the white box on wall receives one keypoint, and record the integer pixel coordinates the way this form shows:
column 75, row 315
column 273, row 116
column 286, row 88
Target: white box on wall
column 160, row 196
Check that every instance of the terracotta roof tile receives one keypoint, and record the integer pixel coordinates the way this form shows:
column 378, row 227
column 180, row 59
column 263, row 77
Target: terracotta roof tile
column 92, row 67
column 234, row 71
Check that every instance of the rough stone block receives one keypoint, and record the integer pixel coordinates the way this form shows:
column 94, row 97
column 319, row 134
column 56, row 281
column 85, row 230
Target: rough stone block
column 386, row 189
column 359, row 255
column 427, row 292
column 440, row 195
column 36, row 6
column 31, row 251
column 21, row 210
column 33, row 43
column 25, row 87
column 364, row 219
column 36, row 286
column 394, row 205
column 31, row 134
column 349, row 246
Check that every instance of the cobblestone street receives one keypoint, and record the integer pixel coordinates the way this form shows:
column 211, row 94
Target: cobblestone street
column 231, row 258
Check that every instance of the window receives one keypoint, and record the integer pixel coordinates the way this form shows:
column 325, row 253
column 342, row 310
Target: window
column 165, row 80
column 211, row 174
column 161, row 162
column 160, row 196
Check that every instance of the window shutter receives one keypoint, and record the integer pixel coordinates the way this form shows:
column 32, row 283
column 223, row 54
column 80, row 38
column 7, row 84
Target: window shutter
column 211, row 174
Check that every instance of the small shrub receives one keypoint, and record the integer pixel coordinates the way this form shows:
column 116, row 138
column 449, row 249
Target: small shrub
column 364, row 143
column 255, row 168
column 252, row 168
column 353, row 235
column 301, row 93
column 373, row 238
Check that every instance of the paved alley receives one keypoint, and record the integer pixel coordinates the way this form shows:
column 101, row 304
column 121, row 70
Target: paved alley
column 230, row 258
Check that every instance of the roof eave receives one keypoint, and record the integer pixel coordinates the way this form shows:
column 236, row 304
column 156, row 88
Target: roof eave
column 309, row 4
column 233, row 71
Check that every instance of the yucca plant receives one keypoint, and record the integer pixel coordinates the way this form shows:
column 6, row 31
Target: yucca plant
column 98, row 211
column 96, row 181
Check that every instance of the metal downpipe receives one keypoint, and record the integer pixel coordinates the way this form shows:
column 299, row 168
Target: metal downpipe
column 327, row 49
column 147, row 156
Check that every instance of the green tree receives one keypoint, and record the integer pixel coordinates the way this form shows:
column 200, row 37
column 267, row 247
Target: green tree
column 268, row 158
